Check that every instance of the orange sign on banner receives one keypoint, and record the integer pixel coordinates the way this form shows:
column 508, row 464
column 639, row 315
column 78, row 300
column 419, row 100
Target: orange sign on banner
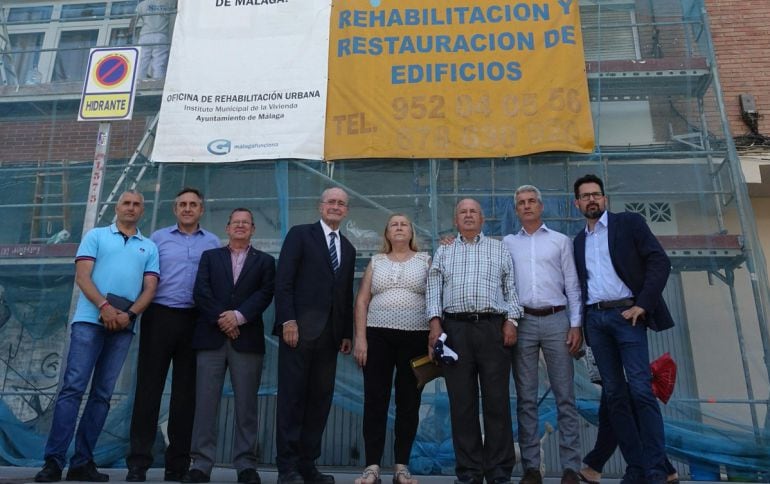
column 456, row 79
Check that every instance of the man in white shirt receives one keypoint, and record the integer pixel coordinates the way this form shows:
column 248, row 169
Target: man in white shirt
column 550, row 293
column 153, row 17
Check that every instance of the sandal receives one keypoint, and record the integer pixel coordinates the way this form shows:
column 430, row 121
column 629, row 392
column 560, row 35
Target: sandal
column 371, row 475
column 401, row 475
column 672, row 478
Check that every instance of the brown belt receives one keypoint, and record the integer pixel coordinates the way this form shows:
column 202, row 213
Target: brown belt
column 618, row 303
column 547, row 311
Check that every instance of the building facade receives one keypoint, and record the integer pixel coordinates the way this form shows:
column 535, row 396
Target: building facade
column 664, row 120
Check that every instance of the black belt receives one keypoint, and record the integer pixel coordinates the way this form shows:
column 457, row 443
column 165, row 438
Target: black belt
column 547, row 311
column 618, row 303
column 171, row 308
column 474, row 316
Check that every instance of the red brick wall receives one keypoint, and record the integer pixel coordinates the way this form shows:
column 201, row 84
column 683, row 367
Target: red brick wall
column 742, row 47
column 44, row 139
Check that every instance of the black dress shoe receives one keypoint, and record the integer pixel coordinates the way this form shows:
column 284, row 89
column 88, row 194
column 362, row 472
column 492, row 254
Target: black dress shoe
column 249, row 476
column 312, row 476
column 51, row 472
column 136, row 474
column 468, row 480
column 195, row 475
column 173, row 476
column 86, row 473
column 291, row 477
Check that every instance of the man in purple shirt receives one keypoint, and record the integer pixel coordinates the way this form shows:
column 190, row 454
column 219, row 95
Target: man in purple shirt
column 166, row 336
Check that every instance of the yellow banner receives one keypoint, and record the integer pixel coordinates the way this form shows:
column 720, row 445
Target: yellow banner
column 456, row 79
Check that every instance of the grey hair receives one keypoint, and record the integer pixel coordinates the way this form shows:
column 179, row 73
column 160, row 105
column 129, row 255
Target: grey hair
column 481, row 209
column 327, row 190
column 131, row 192
column 529, row 188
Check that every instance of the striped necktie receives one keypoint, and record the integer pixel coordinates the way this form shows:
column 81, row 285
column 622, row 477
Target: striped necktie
column 333, row 252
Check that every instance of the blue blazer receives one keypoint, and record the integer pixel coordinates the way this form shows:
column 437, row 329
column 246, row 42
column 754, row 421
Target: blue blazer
column 215, row 292
column 307, row 289
column 640, row 262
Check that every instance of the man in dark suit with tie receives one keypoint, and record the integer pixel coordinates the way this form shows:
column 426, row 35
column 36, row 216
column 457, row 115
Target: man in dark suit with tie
column 623, row 270
column 313, row 321
column 233, row 288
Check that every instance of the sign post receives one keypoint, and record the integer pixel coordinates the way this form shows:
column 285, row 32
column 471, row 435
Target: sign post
column 108, row 95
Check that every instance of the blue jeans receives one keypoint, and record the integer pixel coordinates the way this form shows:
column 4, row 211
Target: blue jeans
column 622, row 357
column 93, row 350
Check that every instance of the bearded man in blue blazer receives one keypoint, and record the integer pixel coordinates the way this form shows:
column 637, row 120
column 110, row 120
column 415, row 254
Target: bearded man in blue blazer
column 313, row 322
column 623, row 270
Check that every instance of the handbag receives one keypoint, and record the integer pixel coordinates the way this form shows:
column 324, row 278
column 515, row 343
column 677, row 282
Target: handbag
column 425, row 370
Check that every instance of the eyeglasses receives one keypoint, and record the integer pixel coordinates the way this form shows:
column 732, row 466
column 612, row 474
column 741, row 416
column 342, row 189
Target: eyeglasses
column 592, row 195
column 339, row 203
column 239, row 223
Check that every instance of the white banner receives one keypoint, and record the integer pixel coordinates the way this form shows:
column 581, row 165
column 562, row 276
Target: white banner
column 246, row 80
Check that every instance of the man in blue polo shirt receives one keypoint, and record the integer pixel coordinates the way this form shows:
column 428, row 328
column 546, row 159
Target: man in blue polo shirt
column 115, row 261
column 167, row 330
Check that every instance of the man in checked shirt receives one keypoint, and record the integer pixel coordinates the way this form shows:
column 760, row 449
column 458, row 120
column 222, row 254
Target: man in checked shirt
column 471, row 296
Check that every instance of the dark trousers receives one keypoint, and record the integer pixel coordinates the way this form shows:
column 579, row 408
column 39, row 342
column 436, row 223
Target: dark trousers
column 166, row 336
column 305, row 391
column 621, row 354
column 484, row 364
column 606, row 442
column 389, row 349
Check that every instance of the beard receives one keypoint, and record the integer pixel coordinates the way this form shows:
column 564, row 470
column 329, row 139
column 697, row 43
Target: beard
column 593, row 212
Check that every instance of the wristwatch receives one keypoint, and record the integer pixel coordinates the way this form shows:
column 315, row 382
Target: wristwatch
column 131, row 315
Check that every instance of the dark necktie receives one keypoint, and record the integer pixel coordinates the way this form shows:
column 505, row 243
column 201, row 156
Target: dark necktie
column 333, row 252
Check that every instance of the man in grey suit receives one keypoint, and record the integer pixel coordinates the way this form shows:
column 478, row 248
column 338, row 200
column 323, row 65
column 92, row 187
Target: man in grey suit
column 233, row 288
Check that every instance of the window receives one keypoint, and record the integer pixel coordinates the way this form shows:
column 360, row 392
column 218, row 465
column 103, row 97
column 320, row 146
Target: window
column 123, row 8
column 83, row 11
column 24, row 56
column 120, row 36
column 72, row 56
column 609, row 31
column 30, row 14
column 51, row 43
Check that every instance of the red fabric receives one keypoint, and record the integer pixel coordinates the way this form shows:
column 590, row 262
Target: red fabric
column 663, row 377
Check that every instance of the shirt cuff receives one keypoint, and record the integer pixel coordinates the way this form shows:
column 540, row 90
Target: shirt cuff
column 239, row 318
